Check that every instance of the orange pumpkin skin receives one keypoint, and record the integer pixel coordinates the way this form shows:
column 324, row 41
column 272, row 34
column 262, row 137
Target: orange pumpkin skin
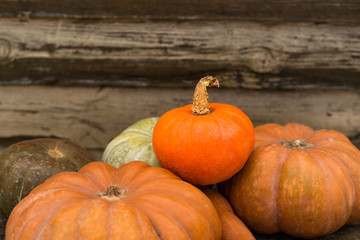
column 204, row 149
column 232, row 227
column 144, row 203
column 299, row 181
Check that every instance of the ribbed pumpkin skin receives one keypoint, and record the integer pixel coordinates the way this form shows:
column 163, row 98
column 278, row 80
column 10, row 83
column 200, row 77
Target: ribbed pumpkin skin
column 204, row 149
column 26, row 164
column 156, row 205
column 306, row 192
column 134, row 143
column 232, row 227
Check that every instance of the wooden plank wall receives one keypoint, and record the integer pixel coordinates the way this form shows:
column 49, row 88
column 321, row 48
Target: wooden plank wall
column 85, row 70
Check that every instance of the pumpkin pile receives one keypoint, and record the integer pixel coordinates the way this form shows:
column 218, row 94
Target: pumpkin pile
column 198, row 172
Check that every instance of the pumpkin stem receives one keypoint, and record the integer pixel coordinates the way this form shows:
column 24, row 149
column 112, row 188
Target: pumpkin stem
column 299, row 143
column 200, row 100
column 113, row 193
column 55, row 153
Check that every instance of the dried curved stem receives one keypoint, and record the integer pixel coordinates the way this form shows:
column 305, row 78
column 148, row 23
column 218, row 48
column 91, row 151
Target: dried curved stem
column 200, row 100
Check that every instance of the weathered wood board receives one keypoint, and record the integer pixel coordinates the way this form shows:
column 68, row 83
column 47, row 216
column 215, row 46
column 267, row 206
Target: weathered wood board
column 140, row 53
column 92, row 116
column 255, row 10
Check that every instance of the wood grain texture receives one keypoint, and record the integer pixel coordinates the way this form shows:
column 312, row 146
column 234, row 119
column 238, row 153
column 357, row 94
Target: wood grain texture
column 92, row 116
column 258, row 10
column 177, row 53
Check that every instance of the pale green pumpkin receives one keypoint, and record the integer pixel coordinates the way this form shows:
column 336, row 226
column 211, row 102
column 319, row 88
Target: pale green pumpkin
column 134, row 143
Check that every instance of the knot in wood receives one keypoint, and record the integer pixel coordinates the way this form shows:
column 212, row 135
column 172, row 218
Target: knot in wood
column 5, row 48
column 260, row 59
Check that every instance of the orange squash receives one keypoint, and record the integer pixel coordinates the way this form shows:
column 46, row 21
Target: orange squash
column 134, row 201
column 232, row 227
column 203, row 143
column 298, row 181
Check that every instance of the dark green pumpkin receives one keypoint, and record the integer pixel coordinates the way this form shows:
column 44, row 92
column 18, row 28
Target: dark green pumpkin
column 26, row 164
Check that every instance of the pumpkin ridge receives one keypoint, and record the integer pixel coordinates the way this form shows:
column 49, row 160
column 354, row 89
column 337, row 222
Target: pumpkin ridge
column 137, row 191
column 337, row 160
column 300, row 128
column 148, row 208
column 324, row 134
column 44, row 223
column 70, row 185
column 81, row 215
column 104, row 174
column 137, row 212
column 329, row 201
column 142, row 178
column 69, row 188
column 109, row 223
column 138, row 218
column 31, row 200
column 131, row 130
column 275, row 209
column 347, row 148
column 186, row 202
column 97, row 183
column 124, row 179
column 50, row 216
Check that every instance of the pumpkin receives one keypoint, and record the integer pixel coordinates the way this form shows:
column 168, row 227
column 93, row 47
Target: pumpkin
column 26, row 164
column 134, row 201
column 203, row 143
column 134, row 143
column 299, row 181
column 232, row 227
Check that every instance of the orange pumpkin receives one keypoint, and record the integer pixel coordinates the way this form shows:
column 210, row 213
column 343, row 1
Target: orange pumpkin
column 298, row 181
column 203, row 143
column 232, row 227
column 134, row 201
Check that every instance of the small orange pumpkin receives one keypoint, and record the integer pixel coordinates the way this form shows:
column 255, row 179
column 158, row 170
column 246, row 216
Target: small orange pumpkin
column 232, row 227
column 134, row 201
column 203, row 143
column 298, row 181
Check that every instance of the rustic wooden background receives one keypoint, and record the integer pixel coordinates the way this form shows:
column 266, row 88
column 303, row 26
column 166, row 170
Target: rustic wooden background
column 85, row 70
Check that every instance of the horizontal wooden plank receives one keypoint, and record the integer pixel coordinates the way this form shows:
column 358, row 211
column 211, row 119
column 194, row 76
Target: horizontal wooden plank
column 92, row 116
column 259, row 10
column 178, row 53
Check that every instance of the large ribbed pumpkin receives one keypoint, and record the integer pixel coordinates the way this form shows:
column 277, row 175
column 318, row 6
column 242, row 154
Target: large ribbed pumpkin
column 298, row 181
column 204, row 143
column 132, row 202
column 134, row 143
